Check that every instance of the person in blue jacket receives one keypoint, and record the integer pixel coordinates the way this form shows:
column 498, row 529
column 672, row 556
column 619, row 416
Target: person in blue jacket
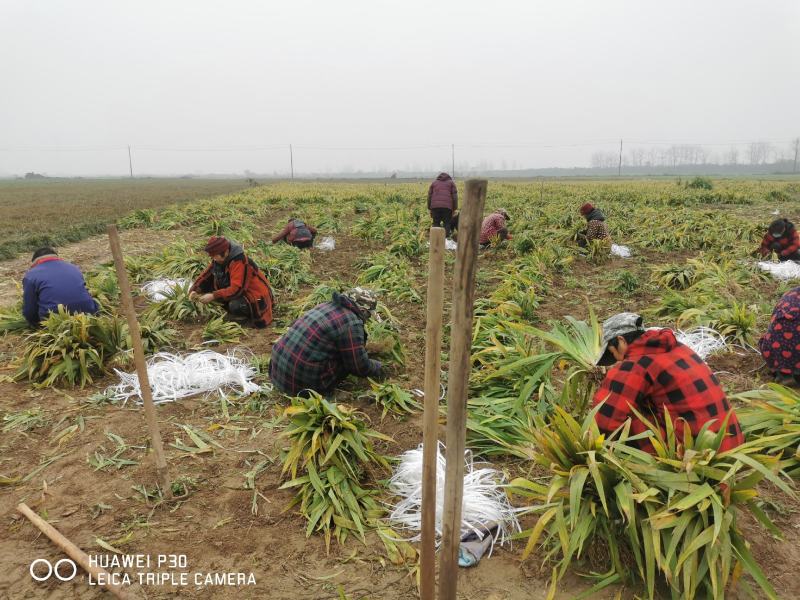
column 51, row 281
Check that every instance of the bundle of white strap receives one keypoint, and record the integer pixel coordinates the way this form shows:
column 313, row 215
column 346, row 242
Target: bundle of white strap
column 175, row 376
column 485, row 501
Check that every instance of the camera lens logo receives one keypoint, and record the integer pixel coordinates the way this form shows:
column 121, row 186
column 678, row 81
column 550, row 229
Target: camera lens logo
column 61, row 569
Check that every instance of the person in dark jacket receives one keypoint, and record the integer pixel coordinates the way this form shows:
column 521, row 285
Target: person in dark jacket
column 596, row 227
column 780, row 345
column 443, row 201
column 325, row 345
column 783, row 239
column 51, row 281
column 297, row 233
column 654, row 374
column 235, row 280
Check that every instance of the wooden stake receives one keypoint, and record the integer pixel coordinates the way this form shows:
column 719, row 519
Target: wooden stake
column 460, row 349
column 430, row 417
column 141, row 364
column 79, row 556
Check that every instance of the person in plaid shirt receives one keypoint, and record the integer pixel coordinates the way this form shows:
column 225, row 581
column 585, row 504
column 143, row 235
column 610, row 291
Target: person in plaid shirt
column 325, row 345
column 783, row 239
column 655, row 373
column 780, row 345
column 494, row 225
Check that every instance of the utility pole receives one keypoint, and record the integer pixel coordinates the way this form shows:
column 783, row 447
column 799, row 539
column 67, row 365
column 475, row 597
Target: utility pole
column 291, row 161
column 619, row 168
column 453, row 159
column 130, row 162
column 796, row 148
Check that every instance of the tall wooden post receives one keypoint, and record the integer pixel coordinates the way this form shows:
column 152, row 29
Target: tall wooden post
column 139, row 360
column 460, row 350
column 430, row 417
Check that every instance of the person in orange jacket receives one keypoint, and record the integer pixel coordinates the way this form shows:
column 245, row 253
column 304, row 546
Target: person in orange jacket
column 235, row 280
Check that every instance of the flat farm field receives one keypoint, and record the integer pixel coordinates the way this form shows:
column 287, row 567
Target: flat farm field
column 82, row 460
column 58, row 211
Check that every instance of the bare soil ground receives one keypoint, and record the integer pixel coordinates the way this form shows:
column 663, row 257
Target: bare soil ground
column 221, row 526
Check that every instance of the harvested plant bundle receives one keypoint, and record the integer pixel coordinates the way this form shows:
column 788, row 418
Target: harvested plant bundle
column 70, row 348
column 665, row 519
column 391, row 398
column 331, row 446
column 772, row 417
column 220, row 331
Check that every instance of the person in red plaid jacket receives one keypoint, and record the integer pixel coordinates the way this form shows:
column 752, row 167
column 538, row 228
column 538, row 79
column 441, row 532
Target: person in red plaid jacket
column 783, row 239
column 655, row 373
column 325, row 345
column 495, row 224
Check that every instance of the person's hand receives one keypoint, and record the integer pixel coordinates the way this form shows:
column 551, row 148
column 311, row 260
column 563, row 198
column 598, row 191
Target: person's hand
column 206, row 298
column 193, row 295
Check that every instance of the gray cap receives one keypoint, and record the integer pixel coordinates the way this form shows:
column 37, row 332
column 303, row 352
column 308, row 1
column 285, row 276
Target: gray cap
column 615, row 326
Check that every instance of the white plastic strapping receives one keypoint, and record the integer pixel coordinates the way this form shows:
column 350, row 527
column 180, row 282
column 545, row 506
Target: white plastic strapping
column 173, row 376
column 621, row 251
column 783, row 271
column 157, row 290
column 326, row 244
column 485, row 501
column 703, row 340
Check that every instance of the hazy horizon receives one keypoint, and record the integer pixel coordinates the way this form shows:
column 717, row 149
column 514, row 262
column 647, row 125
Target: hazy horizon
column 201, row 87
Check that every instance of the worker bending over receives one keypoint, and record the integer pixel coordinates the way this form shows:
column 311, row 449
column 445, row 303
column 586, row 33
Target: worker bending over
column 495, row 225
column 297, row 233
column 781, row 238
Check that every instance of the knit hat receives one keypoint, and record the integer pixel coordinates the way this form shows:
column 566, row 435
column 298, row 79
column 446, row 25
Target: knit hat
column 586, row 209
column 364, row 299
column 615, row 326
column 217, row 245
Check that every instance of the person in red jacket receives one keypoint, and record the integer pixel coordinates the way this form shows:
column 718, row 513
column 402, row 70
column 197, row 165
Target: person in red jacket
column 235, row 280
column 654, row 374
column 298, row 233
column 781, row 238
column 443, row 202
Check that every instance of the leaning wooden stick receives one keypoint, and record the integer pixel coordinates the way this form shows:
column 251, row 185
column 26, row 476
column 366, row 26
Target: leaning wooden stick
column 79, row 556
column 430, row 417
column 460, row 349
column 141, row 364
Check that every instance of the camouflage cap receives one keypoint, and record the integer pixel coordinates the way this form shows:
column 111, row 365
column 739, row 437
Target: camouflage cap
column 615, row 326
column 366, row 300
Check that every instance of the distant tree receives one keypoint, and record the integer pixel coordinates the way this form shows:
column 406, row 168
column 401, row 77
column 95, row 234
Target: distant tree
column 33, row 175
column 731, row 156
column 759, row 152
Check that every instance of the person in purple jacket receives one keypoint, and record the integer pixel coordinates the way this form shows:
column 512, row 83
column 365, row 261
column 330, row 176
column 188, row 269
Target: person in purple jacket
column 51, row 281
column 443, row 202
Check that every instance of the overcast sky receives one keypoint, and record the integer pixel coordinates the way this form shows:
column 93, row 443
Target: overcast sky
column 209, row 86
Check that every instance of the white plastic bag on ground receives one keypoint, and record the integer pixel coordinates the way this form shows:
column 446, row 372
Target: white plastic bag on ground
column 157, row 290
column 783, row 271
column 326, row 244
column 621, row 251
column 448, row 245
